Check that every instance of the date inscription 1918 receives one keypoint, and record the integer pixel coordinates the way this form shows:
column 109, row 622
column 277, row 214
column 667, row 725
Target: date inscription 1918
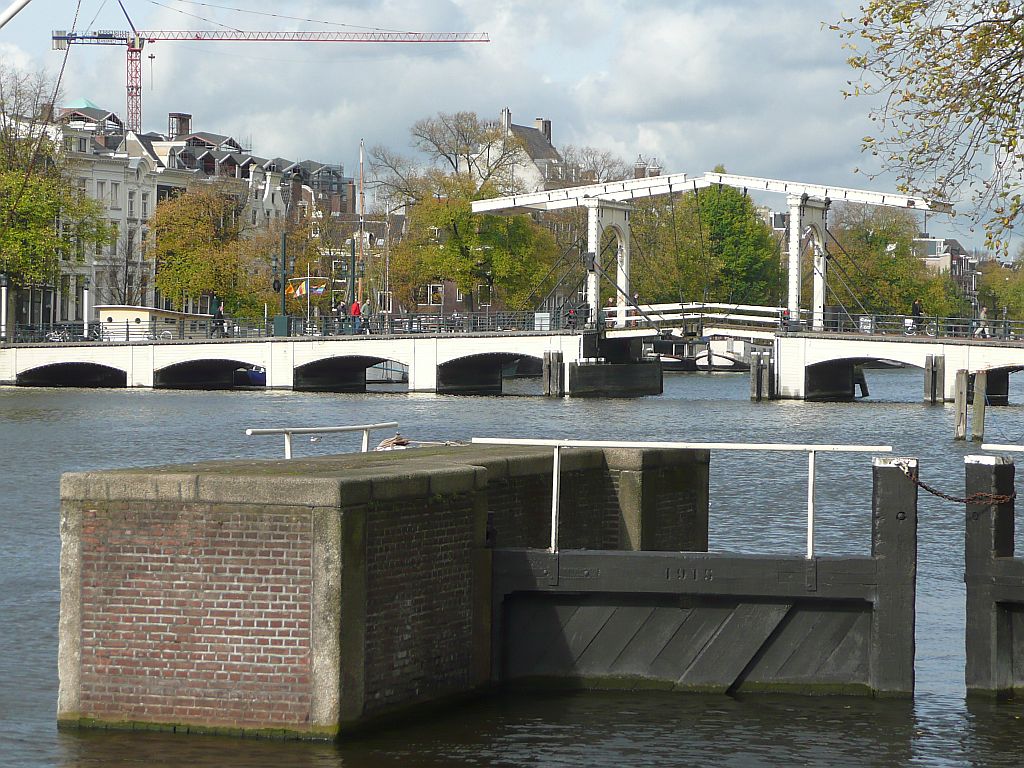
column 690, row 574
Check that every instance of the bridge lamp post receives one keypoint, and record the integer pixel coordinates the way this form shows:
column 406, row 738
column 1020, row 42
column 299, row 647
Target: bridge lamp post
column 280, row 284
column 85, row 308
column 3, row 306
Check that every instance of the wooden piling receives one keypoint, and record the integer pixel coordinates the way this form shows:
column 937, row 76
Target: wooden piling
column 757, row 365
column 934, row 379
column 553, row 374
column 960, row 405
column 978, row 406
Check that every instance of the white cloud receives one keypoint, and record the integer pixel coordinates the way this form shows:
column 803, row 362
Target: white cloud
column 750, row 84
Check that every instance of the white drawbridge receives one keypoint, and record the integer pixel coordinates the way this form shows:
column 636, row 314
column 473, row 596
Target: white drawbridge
column 608, row 208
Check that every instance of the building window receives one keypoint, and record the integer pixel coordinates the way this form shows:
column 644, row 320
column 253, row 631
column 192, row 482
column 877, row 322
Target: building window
column 253, row 215
column 79, row 296
column 131, row 203
column 435, row 295
column 145, row 205
column 101, row 191
column 83, row 145
column 115, row 195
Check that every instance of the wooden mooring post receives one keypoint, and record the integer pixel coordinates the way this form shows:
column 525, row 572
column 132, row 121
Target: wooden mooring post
column 934, row 378
column 553, row 374
column 960, row 404
column 762, row 377
column 978, row 406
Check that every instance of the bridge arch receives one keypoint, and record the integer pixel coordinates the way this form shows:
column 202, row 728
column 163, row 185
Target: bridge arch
column 337, row 373
column 72, row 374
column 478, row 374
column 202, row 373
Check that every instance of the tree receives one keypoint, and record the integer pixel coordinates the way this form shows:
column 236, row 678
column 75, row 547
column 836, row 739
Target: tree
column 465, row 159
column 458, row 144
column 45, row 221
column 127, row 275
column 874, row 268
column 200, row 247
column 949, row 75
column 704, row 246
column 593, row 165
column 446, row 241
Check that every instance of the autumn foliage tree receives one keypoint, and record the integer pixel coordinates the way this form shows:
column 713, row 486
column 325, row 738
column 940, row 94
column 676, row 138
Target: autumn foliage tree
column 201, row 248
column 463, row 159
column 948, row 76
column 45, row 220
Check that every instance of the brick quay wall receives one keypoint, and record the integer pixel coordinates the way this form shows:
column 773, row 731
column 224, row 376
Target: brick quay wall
column 311, row 597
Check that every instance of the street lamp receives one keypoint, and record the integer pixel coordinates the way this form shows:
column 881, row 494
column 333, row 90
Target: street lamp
column 3, row 306
column 85, row 308
column 280, row 283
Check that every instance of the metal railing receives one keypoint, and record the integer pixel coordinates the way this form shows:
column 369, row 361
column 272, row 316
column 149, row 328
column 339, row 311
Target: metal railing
column 297, row 327
column 924, row 327
column 289, row 431
column 811, row 449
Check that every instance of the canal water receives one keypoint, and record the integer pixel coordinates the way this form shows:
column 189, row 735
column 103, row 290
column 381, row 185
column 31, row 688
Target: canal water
column 757, row 505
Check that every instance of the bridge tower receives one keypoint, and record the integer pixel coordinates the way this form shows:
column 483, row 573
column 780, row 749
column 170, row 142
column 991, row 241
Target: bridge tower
column 603, row 215
column 807, row 225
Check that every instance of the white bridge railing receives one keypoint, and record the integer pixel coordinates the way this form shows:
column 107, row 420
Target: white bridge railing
column 811, row 449
column 289, row 431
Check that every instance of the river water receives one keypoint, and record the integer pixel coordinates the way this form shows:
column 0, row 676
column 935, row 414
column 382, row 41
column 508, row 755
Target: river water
column 757, row 505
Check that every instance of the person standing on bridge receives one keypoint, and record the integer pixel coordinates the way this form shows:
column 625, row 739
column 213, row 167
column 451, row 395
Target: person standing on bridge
column 982, row 329
column 218, row 321
column 916, row 311
column 357, row 315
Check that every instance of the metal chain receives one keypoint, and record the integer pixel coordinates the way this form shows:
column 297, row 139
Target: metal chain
column 981, row 498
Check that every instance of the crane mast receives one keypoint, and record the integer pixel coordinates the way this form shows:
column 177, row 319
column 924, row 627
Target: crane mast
column 134, row 41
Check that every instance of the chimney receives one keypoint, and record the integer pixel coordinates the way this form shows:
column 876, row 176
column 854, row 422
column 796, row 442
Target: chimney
column 178, row 124
column 544, row 126
column 639, row 168
column 506, row 120
column 653, row 169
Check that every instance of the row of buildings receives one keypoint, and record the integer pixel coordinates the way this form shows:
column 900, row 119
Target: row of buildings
column 130, row 174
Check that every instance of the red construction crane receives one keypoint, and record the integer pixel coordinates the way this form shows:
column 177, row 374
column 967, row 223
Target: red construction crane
column 134, row 40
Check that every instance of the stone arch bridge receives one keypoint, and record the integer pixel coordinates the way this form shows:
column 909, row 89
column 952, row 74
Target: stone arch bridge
column 821, row 365
column 469, row 363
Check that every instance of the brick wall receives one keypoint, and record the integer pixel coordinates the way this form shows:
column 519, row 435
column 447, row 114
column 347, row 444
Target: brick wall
column 195, row 614
column 419, row 599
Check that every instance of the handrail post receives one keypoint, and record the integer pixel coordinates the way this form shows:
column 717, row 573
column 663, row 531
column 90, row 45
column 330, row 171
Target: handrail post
column 810, row 505
column 287, row 445
column 366, row 440
column 556, row 471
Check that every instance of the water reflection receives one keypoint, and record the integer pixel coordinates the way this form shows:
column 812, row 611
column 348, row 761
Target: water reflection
column 757, row 505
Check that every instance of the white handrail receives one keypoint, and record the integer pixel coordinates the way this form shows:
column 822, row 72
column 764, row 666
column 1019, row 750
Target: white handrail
column 289, row 431
column 1001, row 447
column 811, row 449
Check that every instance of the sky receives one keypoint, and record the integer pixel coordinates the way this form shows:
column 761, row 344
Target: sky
column 754, row 85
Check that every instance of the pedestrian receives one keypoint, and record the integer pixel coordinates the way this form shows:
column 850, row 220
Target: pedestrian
column 916, row 311
column 218, row 322
column 357, row 315
column 570, row 318
column 982, row 329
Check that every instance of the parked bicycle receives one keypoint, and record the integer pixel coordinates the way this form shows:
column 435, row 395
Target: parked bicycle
column 58, row 335
column 913, row 325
